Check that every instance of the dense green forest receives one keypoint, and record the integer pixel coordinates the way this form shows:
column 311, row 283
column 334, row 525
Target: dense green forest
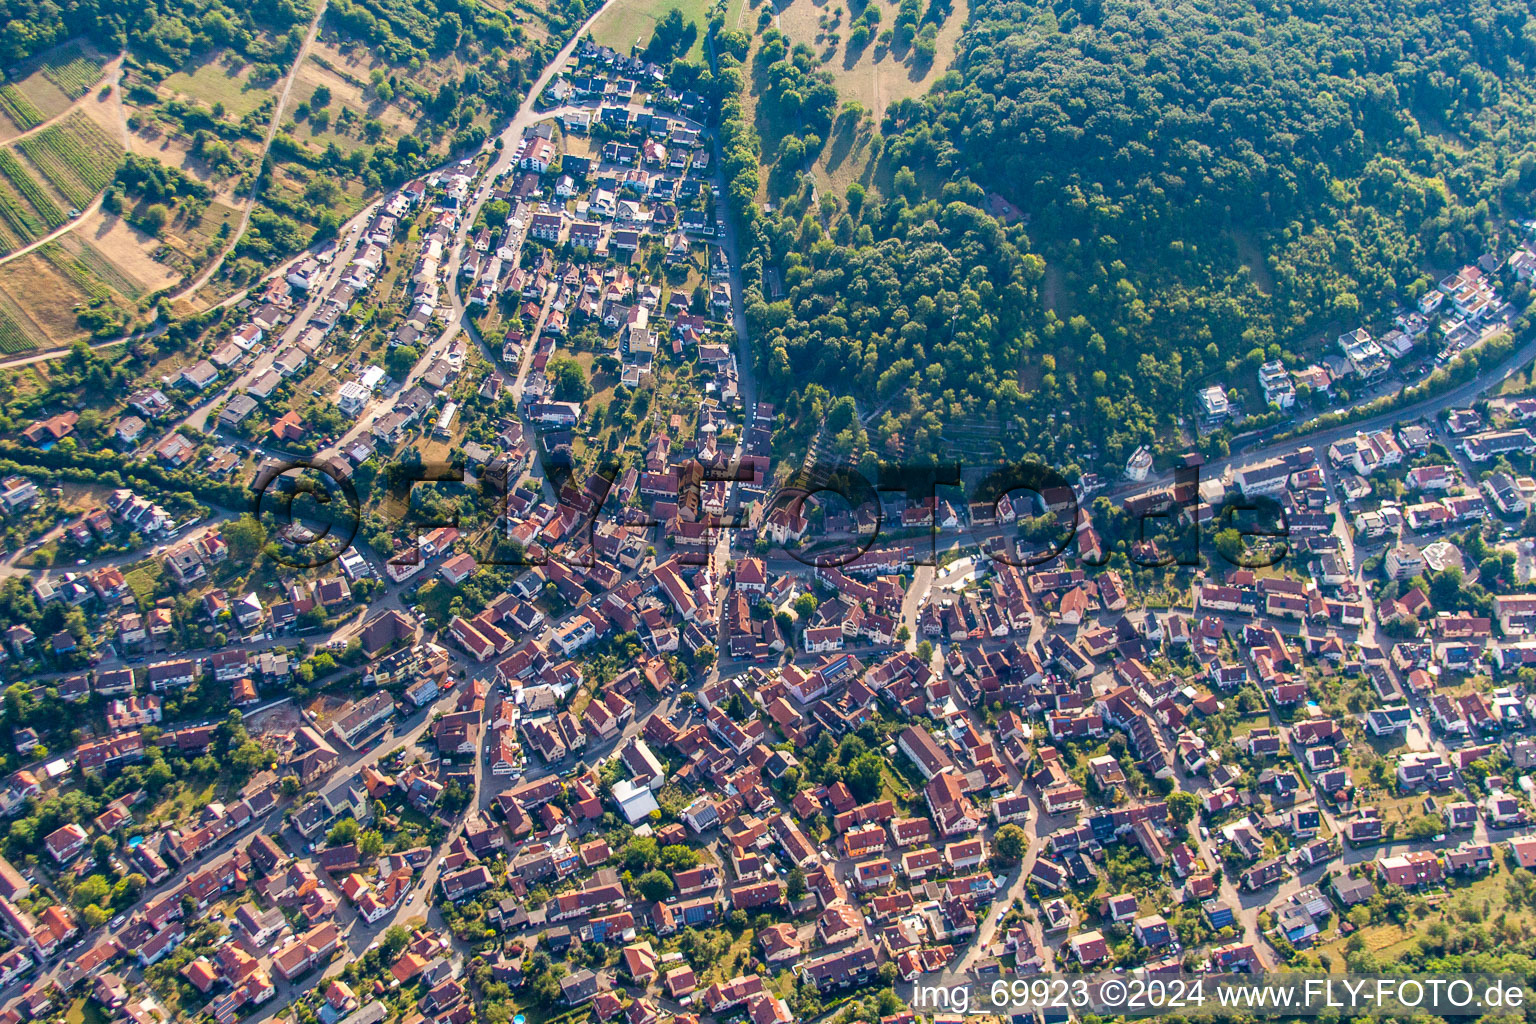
column 169, row 31
column 1346, row 152
column 165, row 31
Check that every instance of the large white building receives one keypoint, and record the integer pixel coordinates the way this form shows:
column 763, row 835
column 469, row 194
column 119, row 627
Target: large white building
column 351, row 397
column 637, row 802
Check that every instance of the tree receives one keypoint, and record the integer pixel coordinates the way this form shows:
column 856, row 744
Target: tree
column 1445, row 588
column 343, row 832
column 654, row 885
column 570, row 380
column 289, row 786
column 251, row 757
column 94, row 889
column 673, row 36
column 677, row 857
column 1009, row 844
column 155, row 218
column 1229, row 544
column 794, row 886
column 447, row 31
column 395, row 939
column 246, row 537
column 1426, row 826
column 805, row 606
column 864, row 774
column 370, row 844
column 401, row 359
column 641, row 853
column 855, row 196
column 1183, row 806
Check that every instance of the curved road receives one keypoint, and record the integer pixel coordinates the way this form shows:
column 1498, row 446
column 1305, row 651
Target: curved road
column 1462, row 394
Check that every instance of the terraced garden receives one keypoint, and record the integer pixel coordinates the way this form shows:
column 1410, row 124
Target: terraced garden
column 77, row 157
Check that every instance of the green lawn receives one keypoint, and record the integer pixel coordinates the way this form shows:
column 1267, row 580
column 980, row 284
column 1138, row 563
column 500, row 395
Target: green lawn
column 724, row 968
column 213, row 80
column 83, row 1011
column 42, row 557
column 143, row 579
column 434, row 598
column 629, row 22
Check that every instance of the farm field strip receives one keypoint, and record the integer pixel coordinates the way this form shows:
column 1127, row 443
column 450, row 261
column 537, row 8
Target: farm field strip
column 100, row 265
column 19, row 216
column 12, row 338
column 77, row 272
column 18, row 109
column 76, row 156
column 18, row 331
column 72, row 71
column 48, row 213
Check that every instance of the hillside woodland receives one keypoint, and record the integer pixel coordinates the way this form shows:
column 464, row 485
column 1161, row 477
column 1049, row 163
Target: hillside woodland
column 1195, row 187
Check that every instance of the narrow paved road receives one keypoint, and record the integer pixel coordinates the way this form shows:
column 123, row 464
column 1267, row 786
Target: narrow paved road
column 527, row 115
column 197, row 418
column 1428, row 408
